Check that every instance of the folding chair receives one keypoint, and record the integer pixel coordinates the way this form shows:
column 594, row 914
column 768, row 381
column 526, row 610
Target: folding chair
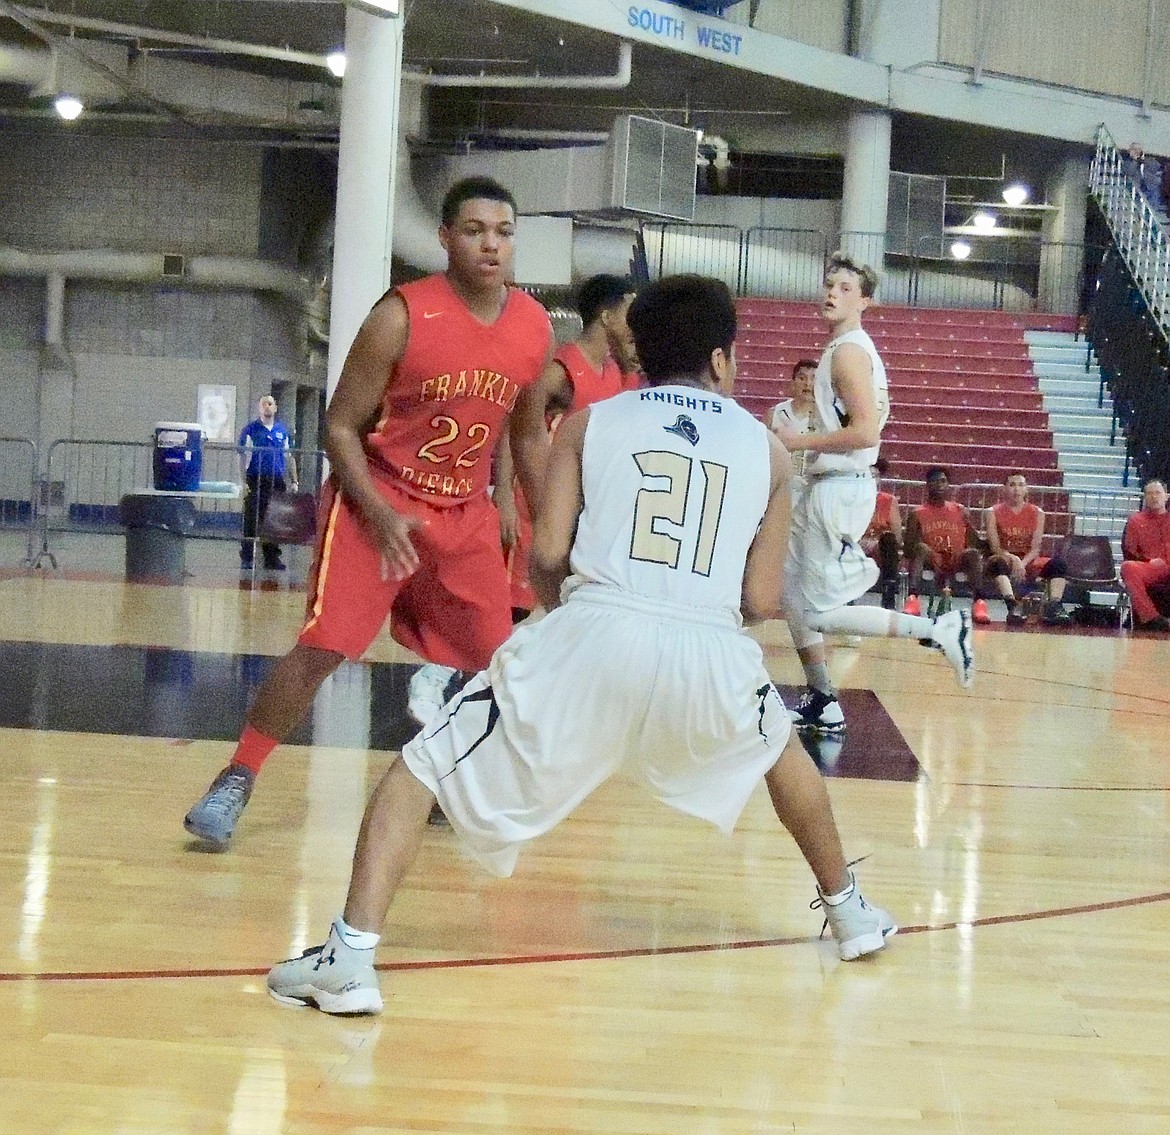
column 1092, row 575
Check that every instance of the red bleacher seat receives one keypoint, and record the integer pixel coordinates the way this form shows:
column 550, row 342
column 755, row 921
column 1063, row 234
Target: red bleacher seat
column 963, row 391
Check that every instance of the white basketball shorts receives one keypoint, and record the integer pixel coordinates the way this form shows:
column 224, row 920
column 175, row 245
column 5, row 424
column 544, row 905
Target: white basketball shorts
column 609, row 679
column 826, row 567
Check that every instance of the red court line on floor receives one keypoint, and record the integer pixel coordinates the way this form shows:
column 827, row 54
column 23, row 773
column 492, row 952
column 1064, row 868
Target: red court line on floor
column 595, row 955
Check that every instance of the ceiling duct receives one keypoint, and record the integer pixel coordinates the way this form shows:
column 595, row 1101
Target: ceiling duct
column 653, row 165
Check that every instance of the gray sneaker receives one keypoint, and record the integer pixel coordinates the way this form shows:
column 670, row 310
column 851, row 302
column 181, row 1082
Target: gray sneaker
column 951, row 633
column 334, row 977
column 213, row 818
column 859, row 928
column 428, row 691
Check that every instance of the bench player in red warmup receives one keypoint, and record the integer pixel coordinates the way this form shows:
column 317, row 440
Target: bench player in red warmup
column 407, row 527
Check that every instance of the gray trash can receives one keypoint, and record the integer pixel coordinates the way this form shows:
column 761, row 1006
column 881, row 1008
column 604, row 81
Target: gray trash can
column 156, row 528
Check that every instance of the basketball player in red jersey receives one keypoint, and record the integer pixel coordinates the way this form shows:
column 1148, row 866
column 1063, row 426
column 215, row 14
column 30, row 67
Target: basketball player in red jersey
column 600, row 363
column 407, row 527
column 939, row 534
column 1015, row 530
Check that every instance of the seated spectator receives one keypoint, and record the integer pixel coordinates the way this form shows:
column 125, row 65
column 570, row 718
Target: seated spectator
column 1145, row 552
column 940, row 537
column 799, row 413
column 1015, row 529
column 882, row 541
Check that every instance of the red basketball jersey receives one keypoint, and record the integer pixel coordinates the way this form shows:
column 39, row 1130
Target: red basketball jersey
column 943, row 526
column 883, row 515
column 1015, row 528
column 589, row 385
column 447, row 398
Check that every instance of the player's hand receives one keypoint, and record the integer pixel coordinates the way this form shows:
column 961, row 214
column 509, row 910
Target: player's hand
column 392, row 534
column 789, row 438
column 1018, row 569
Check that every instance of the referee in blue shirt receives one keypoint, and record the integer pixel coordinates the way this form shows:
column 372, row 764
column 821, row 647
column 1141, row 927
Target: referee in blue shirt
column 264, row 460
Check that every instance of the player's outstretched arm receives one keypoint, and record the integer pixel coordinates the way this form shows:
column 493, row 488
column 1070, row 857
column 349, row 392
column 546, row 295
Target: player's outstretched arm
column 763, row 577
column 353, row 410
column 555, row 526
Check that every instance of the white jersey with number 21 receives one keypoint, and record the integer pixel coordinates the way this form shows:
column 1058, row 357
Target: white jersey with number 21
column 676, row 480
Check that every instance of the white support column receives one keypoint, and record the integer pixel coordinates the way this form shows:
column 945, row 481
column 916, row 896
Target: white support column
column 867, row 181
column 1063, row 253
column 365, row 177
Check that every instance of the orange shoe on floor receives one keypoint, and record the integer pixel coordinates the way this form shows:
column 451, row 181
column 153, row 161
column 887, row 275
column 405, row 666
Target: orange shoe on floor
column 979, row 612
column 911, row 606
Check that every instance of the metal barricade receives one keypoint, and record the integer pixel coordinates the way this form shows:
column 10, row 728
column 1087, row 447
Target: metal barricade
column 84, row 481
column 1067, row 511
column 18, row 470
column 709, row 250
column 785, row 264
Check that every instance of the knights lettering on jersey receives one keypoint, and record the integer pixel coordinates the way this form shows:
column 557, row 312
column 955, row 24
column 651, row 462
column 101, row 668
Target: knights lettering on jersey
column 672, row 397
column 690, row 471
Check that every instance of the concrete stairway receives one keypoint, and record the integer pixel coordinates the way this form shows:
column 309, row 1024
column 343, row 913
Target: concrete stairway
column 1080, row 416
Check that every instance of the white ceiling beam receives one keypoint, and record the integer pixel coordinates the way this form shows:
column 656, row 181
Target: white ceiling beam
column 932, row 90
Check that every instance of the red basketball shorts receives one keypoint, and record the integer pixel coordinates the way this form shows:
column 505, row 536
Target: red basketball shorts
column 453, row 610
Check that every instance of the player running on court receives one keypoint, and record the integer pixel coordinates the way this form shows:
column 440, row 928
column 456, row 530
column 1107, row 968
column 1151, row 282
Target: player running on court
column 408, row 529
column 663, row 524
column 827, row 566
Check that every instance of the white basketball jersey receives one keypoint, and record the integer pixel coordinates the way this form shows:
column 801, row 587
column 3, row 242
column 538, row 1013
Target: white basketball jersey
column 675, row 480
column 833, row 414
column 802, row 423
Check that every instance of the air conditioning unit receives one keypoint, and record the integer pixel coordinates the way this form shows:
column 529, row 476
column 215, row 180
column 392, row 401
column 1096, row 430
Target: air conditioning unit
column 653, row 167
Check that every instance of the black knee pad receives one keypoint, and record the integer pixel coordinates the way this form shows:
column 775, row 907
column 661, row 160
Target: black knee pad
column 1056, row 568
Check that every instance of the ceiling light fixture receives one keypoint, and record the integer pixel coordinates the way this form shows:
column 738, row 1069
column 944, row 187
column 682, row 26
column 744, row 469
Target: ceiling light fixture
column 984, row 222
column 1015, row 195
column 335, row 61
column 960, row 250
column 68, row 107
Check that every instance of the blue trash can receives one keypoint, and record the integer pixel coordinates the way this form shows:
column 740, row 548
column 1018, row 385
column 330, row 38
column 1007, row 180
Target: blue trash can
column 178, row 456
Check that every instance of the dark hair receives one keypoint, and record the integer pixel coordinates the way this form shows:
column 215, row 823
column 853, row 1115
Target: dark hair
column 600, row 293
column 677, row 322
column 937, row 469
column 866, row 276
column 803, row 364
column 472, row 188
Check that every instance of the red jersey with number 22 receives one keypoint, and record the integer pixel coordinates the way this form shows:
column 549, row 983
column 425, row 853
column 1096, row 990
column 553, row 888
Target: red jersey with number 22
column 449, row 395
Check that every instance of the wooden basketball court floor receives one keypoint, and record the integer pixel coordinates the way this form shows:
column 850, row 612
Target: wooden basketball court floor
column 640, row 973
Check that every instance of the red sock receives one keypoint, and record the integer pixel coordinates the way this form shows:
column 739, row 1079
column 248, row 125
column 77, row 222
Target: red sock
column 253, row 749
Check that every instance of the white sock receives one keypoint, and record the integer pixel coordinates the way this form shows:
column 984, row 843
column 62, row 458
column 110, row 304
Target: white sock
column 840, row 896
column 875, row 622
column 355, row 939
